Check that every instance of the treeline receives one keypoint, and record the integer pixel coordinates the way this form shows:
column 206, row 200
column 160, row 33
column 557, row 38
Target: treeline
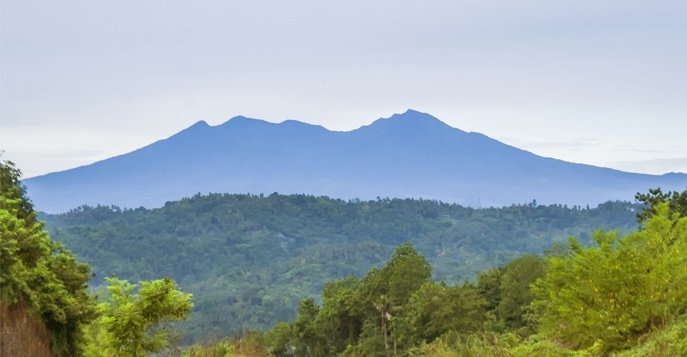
column 621, row 296
column 250, row 259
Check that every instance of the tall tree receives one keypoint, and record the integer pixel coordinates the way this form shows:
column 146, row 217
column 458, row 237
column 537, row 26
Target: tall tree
column 385, row 308
column 337, row 318
column 489, row 286
column 436, row 309
column 677, row 202
column 308, row 335
column 516, row 295
column 404, row 273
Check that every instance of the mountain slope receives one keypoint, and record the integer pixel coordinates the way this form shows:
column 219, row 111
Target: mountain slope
column 407, row 155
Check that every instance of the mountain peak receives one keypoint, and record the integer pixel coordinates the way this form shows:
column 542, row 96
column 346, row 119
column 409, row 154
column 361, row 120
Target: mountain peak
column 200, row 123
column 413, row 123
column 416, row 112
column 240, row 119
column 198, row 126
column 415, row 117
column 411, row 114
column 245, row 124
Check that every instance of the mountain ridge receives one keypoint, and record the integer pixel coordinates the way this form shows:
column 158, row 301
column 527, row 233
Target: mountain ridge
column 408, row 155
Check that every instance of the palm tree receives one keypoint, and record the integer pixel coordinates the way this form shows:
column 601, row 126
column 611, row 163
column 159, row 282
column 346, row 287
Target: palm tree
column 385, row 307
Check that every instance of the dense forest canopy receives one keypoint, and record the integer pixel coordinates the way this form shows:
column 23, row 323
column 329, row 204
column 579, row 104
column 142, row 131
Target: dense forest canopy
column 621, row 296
column 250, row 259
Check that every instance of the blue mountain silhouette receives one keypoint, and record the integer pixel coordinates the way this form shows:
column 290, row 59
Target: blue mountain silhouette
column 409, row 155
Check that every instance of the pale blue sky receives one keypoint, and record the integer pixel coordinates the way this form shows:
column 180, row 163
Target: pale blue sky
column 597, row 82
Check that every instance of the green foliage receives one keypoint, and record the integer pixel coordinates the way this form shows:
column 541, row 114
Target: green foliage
column 340, row 318
column 382, row 313
column 280, row 339
column 489, row 287
column 309, row 340
column 623, row 296
column 13, row 193
column 136, row 322
column 436, row 309
column 547, row 347
column 669, row 341
column 677, row 202
column 38, row 273
column 611, row 294
column 249, row 260
column 404, row 273
column 250, row 344
column 516, row 295
column 217, row 348
column 389, row 289
column 471, row 346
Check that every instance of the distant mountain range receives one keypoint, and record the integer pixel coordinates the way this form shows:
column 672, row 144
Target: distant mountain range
column 409, row 155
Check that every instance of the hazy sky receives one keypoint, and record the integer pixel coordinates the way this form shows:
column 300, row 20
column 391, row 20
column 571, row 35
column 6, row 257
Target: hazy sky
column 597, row 82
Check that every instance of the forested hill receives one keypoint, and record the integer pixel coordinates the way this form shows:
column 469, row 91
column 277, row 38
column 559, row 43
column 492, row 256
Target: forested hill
column 409, row 155
column 249, row 260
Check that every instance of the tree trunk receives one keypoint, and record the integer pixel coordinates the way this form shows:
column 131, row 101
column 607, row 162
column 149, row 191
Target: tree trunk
column 386, row 342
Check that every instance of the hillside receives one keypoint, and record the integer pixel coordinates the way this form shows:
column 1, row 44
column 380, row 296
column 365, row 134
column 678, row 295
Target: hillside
column 409, row 155
column 250, row 259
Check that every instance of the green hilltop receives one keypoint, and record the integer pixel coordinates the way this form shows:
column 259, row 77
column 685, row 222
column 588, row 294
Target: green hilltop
column 249, row 259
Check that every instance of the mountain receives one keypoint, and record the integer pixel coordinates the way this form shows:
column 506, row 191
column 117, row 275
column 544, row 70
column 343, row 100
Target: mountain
column 409, row 155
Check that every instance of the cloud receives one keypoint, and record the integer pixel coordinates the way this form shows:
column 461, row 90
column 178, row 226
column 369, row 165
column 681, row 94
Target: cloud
column 653, row 166
column 576, row 144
